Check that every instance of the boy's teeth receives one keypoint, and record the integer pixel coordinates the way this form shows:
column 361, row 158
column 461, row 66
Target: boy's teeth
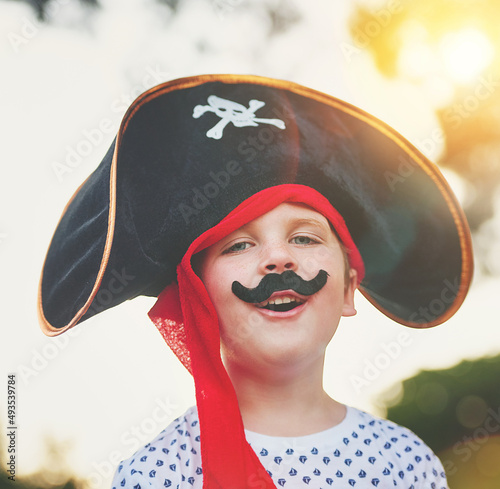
column 281, row 300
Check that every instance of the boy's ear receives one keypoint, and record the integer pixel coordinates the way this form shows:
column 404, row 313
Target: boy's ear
column 349, row 309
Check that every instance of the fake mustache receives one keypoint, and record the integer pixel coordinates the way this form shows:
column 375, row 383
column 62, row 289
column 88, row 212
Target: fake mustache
column 275, row 282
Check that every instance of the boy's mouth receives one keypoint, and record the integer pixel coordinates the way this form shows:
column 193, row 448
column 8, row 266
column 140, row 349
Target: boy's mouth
column 281, row 304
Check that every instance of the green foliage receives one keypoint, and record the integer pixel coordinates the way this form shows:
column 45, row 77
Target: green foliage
column 54, row 475
column 33, row 483
column 445, row 407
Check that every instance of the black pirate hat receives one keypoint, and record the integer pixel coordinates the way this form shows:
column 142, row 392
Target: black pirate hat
column 189, row 151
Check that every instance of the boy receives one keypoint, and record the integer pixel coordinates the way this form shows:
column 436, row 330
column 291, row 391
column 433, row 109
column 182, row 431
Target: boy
column 273, row 223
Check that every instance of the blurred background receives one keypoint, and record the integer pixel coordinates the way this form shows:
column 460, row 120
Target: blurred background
column 70, row 68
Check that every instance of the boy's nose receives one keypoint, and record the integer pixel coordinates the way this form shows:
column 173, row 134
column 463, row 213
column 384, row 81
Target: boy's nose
column 278, row 259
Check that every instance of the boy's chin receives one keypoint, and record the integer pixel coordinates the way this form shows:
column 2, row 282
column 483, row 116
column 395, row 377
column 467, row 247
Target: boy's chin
column 276, row 358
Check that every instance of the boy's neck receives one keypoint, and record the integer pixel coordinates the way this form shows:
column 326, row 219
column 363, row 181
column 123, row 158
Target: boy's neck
column 286, row 405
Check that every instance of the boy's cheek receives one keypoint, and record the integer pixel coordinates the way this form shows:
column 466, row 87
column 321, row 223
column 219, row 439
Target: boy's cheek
column 238, row 325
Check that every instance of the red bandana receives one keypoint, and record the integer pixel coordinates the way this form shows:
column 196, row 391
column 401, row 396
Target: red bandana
column 187, row 321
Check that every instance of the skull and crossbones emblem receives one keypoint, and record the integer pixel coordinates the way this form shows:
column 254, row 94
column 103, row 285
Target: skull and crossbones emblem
column 238, row 114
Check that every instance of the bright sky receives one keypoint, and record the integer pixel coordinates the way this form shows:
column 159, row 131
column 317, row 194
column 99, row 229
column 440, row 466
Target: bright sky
column 109, row 386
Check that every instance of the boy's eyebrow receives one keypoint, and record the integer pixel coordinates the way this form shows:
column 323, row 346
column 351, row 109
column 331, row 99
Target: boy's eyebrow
column 309, row 222
column 295, row 222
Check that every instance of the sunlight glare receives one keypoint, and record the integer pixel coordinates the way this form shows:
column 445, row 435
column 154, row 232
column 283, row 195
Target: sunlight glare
column 466, row 53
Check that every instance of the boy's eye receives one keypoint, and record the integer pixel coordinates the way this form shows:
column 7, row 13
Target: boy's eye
column 242, row 245
column 303, row 240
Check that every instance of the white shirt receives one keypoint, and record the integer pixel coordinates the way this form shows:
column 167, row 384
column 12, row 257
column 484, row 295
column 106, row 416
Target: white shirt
column 361, row 451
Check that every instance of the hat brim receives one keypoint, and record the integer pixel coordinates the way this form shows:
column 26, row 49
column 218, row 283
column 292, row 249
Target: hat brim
column 163, row 182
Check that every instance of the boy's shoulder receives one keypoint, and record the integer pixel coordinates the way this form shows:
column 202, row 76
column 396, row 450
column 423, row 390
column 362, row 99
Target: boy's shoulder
column 404, row 450
column 172, row 457
column 390, row 437
column 381, row 426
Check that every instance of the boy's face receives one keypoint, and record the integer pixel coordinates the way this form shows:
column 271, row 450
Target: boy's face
column 289, row 237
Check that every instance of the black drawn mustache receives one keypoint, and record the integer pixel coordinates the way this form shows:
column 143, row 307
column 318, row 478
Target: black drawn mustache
column 275, row 282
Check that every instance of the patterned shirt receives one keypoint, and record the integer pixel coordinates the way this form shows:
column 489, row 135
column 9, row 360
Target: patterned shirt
column 362, row 451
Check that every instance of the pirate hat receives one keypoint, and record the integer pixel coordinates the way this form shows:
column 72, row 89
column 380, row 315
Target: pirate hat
column 191, row 150
column 196, row 158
